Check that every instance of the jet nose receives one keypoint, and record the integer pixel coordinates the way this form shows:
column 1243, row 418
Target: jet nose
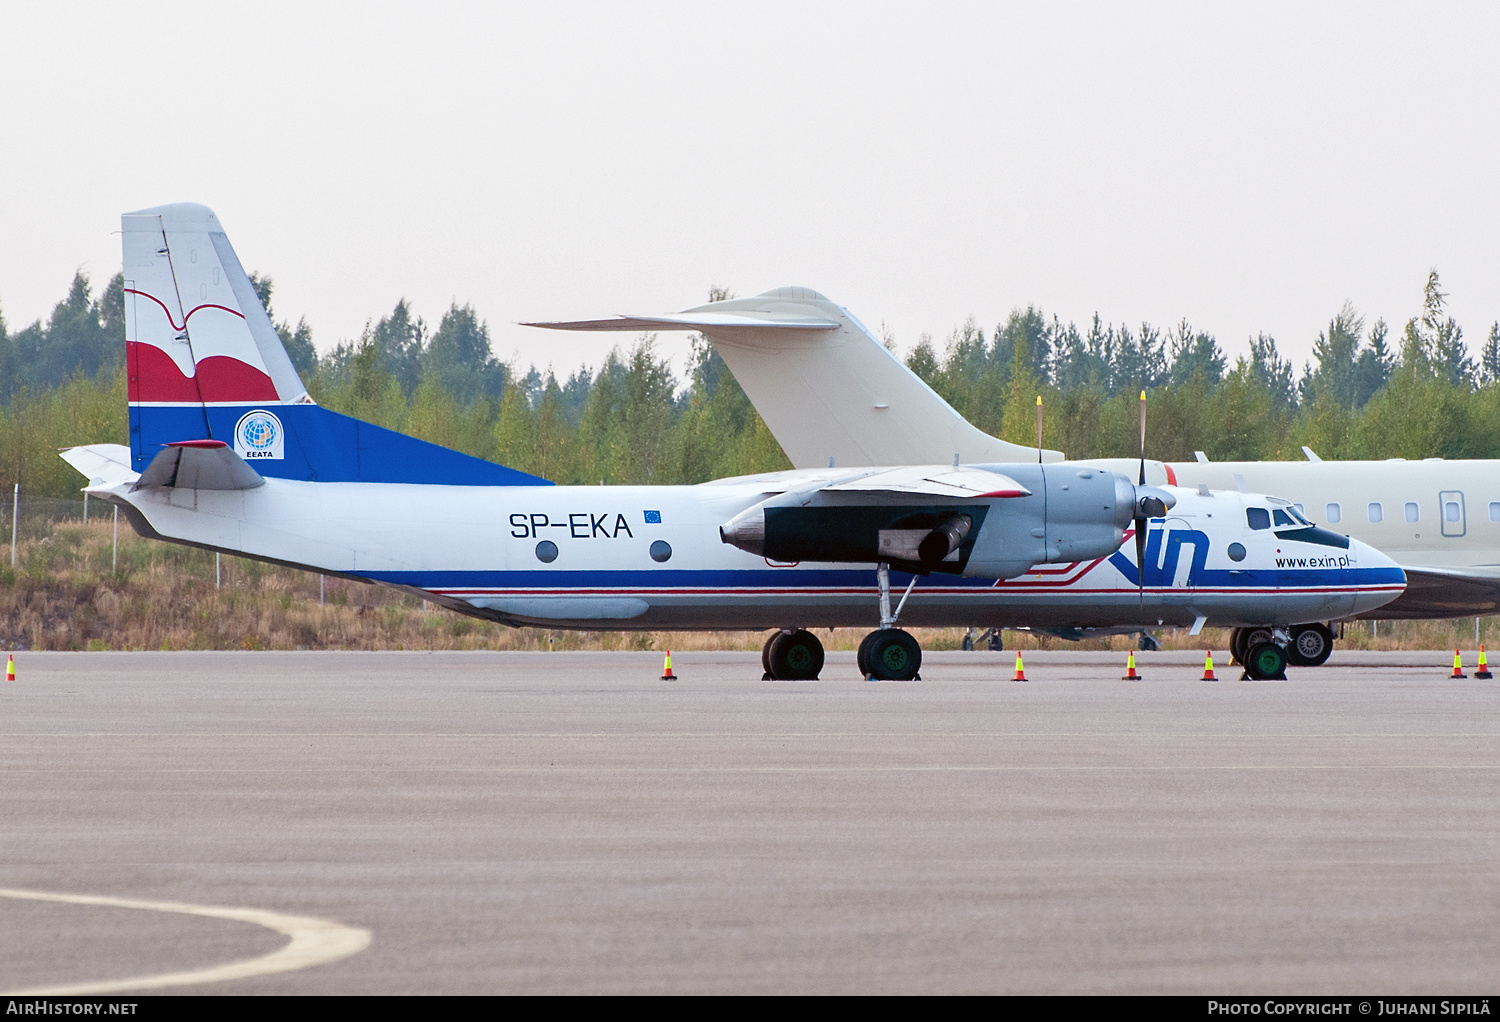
column 1380, row 579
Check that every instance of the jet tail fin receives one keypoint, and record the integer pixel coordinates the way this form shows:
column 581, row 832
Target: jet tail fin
column 826, row 388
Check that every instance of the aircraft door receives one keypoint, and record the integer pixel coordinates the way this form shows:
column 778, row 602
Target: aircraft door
column 1451, row 513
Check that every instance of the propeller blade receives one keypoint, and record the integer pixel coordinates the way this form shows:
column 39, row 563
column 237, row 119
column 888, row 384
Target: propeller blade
column 1140, row 521
column 1039, row 429
column 1142, row 480
column 1140, row 561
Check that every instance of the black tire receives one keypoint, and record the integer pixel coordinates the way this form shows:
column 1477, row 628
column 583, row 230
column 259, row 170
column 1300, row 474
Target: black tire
column 968, row 644
column 893, row 655
column 1311, row 646
column 765, row 657
column 862, row 658
column 1266, row 661
column 1237, row 646
column 997, row 642
column 1251, row 637
column 795, row 656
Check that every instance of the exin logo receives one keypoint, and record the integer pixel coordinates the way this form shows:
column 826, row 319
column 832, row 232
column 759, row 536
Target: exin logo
column 258, row 435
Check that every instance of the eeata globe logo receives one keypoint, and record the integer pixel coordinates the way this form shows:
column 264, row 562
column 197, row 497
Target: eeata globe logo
column 259, row 436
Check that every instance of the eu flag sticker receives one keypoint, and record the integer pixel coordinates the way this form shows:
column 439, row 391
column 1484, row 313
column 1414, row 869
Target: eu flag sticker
column 653, row 517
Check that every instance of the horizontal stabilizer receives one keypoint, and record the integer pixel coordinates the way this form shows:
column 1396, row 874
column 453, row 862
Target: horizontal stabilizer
column 200, row 465
column 104, row 465
column 937, row 482
column 705, row 321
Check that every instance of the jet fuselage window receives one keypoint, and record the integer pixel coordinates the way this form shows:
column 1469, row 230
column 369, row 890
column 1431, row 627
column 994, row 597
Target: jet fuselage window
column 1282, row 518
column 1495, row 510
column 1450, row 511
column 1334, row 514
column 1377, row 513
column 1258, row 517
column 1413, row 514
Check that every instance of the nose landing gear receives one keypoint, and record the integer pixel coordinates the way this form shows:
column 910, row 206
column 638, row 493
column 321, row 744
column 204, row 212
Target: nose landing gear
column 1301, row 646
column 890, row 653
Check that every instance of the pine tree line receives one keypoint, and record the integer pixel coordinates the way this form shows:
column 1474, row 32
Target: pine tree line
column 1365, row 394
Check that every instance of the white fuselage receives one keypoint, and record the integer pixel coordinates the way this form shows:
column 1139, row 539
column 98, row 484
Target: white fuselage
column 582, row 557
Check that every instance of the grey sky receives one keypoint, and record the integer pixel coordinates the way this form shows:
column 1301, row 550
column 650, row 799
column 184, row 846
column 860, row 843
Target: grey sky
column 1250, row 168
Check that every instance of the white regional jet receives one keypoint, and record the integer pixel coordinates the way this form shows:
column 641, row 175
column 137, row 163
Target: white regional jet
column 229, row 453
column 839, row 396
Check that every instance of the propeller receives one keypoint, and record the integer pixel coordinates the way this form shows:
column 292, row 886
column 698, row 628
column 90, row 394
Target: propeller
column 1149, row 503
column 1039, row 429
column 1140, row 518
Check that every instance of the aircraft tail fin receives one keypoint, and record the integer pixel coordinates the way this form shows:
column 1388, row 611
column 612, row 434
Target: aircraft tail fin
column 826, row 388
column 205, row 364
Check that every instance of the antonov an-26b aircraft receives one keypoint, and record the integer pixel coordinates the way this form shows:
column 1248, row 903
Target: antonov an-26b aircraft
column 229, row 453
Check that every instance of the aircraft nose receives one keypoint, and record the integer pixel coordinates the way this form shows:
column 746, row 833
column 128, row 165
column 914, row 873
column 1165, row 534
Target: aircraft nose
column 1366, row 556
column 1380, row 578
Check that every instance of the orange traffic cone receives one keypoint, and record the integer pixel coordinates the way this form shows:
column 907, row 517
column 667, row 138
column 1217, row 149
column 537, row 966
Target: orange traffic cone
column 1208, row 667
column 1130, row 674
column 666, row 670
column 10, row 668
column 1484, row 668
column 1020, row 668
column 1458, row 667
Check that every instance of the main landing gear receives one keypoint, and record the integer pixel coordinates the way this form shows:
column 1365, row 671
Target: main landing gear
column 886, row 654
column 1265, row 652
column 889, row 653
column 792, row 654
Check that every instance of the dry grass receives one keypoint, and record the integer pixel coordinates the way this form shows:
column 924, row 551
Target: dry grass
column 64, row 595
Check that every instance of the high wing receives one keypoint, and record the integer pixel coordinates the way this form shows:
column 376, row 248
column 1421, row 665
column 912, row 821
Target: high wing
column 935, row 482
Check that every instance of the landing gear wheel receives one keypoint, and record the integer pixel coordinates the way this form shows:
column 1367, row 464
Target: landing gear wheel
column 1266, row 661
column 892, row 655
column 968, row 643
column 765, row 657
column 1241, row 639
column 997, row 641
column 1311, row 646
column 794, row 656
column 862, row 658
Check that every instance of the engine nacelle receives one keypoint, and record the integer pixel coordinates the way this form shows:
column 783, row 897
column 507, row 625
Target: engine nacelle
column 1072, row 513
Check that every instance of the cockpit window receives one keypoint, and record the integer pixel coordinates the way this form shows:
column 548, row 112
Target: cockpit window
column 1296, row 513
column 1282, row 518
column 1258, row 517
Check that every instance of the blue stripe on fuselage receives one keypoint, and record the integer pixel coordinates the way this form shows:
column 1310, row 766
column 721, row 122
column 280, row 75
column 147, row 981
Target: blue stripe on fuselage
column 782, row 578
